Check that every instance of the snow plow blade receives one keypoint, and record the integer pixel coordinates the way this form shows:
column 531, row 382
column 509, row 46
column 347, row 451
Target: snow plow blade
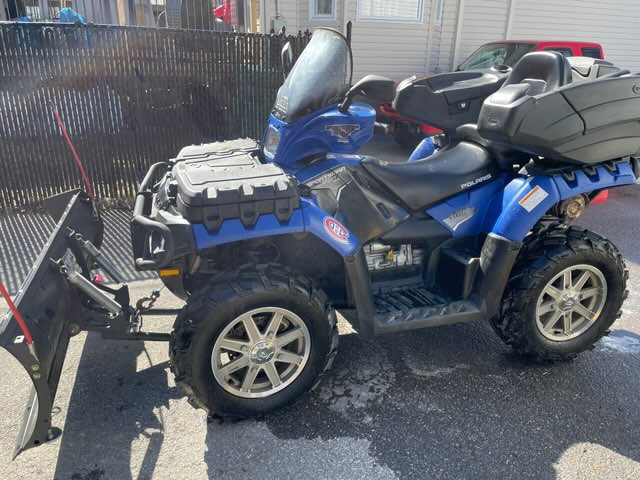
column 49, row 304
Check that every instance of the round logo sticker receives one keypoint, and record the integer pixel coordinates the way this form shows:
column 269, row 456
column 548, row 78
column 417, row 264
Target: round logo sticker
column 336, row 230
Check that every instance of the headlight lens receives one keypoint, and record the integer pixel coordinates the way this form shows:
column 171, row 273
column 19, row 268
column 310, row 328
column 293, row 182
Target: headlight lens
column 272, row 140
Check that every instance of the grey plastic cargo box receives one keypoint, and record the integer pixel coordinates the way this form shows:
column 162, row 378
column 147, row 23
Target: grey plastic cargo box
column 581, row 123
column 228, row 180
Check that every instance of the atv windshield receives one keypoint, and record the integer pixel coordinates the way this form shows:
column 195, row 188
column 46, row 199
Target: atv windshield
column 320, row 77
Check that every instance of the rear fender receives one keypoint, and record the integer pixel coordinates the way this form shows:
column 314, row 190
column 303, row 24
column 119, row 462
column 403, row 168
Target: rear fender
column 526, row 199
column 49, row 305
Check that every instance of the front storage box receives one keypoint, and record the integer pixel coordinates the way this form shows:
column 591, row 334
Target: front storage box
column 586, row 122
column 227, row 180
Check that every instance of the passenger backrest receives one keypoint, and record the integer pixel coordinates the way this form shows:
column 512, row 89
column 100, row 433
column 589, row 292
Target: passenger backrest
column 587, row 68
column 543, row 71
column 585, row 122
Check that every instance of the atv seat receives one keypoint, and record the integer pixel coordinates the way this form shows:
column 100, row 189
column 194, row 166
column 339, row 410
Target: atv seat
column 424, row 182
column 535, row 74
column 505, row 156
column 543, row 71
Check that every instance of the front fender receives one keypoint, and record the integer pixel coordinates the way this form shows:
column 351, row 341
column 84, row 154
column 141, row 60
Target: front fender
column 527, row 199
column 308, row 218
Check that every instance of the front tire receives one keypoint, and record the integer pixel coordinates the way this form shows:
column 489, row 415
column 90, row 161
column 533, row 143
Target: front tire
column 252, row 342
column 565, row 291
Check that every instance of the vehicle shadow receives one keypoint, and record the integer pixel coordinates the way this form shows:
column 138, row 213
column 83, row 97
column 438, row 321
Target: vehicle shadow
column 112, row 406
column 451, row 402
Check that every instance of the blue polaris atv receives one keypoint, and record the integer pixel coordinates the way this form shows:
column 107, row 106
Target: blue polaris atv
column 264, row 240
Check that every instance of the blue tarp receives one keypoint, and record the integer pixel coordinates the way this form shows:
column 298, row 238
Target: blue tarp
column 69, row 15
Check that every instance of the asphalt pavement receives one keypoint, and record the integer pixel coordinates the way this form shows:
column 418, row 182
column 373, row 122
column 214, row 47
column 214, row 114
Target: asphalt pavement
column 447, row 402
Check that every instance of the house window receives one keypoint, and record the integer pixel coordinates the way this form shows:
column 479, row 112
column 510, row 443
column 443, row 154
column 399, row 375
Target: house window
column 390, row 10
column 322, row 9
column 437, row 21
column 33, row 10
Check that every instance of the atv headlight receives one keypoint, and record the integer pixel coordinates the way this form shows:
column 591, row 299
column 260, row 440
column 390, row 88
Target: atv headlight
column 271, row 142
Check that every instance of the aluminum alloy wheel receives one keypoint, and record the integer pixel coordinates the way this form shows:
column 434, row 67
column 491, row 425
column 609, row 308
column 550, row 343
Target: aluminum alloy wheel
column 261, row 352
column 571, row 302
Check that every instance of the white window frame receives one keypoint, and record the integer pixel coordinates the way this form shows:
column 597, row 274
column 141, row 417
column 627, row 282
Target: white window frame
column 368, row 18
column 321, row 16
column 439, row 13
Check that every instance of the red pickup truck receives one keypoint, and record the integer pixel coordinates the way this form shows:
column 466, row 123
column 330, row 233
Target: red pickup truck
column 505, row 52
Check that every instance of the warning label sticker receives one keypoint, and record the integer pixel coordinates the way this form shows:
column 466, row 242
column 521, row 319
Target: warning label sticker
column 532, row 199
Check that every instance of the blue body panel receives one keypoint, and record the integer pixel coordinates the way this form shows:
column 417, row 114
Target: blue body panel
column 310, row 136
column 509, row 206
column 308, row 218
column 482, row 199
column 425, row 149
column 497, row 207
column 514, row 221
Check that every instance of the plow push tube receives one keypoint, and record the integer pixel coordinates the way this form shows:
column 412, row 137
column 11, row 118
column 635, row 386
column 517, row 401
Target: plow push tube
column 49, row 305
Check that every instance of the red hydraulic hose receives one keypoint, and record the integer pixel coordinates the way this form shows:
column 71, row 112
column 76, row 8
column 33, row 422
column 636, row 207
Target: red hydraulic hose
column 16, row 314
column 85, row 178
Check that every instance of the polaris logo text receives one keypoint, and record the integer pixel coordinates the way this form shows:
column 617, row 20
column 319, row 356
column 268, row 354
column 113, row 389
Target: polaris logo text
column 335, row 229
column 488, row 176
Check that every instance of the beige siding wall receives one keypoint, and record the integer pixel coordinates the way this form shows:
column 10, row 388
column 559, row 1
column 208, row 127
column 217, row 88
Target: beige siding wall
column 393, row 49
column 398, row 50
column 296, row 14
column 442, row 44
column 483, row 21
column 613, row 23
column 288, row 10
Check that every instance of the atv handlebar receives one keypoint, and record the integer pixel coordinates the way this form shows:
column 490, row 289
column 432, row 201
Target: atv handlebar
column 143, row 228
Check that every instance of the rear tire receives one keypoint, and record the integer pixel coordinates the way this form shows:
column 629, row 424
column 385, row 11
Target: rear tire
column 219, row 309
column 535, row 295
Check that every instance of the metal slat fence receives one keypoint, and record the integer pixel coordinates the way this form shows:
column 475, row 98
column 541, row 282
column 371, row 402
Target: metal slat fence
column 129, row 97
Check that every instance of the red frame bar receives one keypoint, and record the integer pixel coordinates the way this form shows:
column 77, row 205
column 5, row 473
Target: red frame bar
column 16, row 314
